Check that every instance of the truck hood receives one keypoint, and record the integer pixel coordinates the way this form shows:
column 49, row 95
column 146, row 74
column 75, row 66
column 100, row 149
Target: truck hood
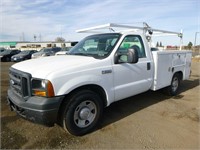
column 41, row 67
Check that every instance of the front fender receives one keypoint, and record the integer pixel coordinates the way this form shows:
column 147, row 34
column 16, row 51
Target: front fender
column 82, row 80
column 76, row 82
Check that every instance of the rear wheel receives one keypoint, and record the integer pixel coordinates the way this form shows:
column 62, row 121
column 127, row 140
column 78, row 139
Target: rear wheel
column 172, row 90
column 82, row 113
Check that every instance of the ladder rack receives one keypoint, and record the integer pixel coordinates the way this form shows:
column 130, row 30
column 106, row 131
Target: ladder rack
column 146, row 29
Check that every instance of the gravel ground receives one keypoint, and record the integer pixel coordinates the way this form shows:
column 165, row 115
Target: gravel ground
column 147, row 121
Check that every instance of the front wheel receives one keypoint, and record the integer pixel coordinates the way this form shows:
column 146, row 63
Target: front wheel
column 172, row 90
column 82, row 113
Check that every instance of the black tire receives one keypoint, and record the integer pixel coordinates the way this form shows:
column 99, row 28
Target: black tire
column 173, row 89
column 7, row 59
column 82, row 113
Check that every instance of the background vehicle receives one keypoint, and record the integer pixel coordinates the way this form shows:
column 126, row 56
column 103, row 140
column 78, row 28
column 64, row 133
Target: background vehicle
column 24, row 55
column 154, row 49
column 7, row 54
column 101, row 69
column 63, row 51
column 2, row 49
column 46, row 52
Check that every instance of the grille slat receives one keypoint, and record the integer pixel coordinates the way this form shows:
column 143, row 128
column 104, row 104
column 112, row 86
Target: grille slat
column 19, row 93
column 17, row 87
column 14, row 78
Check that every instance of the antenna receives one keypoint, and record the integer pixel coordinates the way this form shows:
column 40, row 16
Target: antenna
column 23, row 36
column 40, row 37
column 34, row 36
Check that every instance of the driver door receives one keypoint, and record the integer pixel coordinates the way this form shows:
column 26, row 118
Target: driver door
column 131, row 79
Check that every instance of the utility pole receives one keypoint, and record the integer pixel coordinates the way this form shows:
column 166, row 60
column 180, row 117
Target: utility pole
column 40, row 37
column 34, row 37
column 23, row 39
column 195, row 38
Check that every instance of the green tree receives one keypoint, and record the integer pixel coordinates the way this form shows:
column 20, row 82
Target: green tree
column 190, row 45
column 160, row 44
column 157, row 44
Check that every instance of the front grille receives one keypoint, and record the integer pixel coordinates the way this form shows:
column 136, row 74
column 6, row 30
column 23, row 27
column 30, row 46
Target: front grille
column 20, row 83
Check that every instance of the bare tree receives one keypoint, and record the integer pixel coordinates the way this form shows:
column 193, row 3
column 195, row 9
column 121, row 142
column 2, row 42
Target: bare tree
column 59, row 39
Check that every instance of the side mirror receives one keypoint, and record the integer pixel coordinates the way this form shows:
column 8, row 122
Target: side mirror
column 133, row 55
column 130, row 57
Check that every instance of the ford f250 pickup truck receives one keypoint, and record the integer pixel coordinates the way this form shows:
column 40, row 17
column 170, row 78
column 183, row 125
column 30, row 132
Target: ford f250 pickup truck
column 73, row 89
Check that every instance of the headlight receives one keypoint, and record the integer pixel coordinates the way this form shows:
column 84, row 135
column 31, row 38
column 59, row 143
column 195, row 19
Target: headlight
column 42, row 87
column 44, row 54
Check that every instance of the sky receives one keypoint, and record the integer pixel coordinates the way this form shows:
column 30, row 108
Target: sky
column 48, row 19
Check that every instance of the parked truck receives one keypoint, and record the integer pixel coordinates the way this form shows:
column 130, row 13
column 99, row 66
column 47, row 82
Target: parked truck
column 72, row 90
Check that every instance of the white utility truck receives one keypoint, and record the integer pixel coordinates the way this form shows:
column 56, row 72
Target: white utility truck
column 73, row 89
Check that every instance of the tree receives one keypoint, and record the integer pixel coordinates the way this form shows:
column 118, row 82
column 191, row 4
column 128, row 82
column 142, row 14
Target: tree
column 190, row 45
column 59, row 39
column 157, row 44
column 160, row 44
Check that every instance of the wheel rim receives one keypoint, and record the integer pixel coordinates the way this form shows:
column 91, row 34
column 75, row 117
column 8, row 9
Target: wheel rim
column 175, row 84
column 85, row 113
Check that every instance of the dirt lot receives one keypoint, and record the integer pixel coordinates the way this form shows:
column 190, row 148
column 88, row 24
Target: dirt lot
column 149, row 120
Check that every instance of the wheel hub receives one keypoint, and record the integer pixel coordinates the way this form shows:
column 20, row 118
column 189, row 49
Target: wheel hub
column 84, row 113
column 175, row 84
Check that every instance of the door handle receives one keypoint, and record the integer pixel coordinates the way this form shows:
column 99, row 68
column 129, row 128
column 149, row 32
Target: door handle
column 148, row 66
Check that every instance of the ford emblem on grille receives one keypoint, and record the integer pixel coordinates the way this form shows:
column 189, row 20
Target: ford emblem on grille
column 12, row 82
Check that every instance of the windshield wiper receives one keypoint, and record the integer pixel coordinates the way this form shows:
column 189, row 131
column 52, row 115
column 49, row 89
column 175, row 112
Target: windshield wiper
column 81, row 54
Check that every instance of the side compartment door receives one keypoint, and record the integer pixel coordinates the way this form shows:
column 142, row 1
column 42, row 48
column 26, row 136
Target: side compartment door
column 131, row 79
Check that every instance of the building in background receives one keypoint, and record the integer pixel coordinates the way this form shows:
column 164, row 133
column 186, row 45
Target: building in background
column 8, row 45
column 35, row 45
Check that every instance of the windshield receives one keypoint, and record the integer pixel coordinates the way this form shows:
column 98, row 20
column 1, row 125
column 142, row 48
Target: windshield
column 46, row 50
column 6, row 52
column 24, row 52
column 65, row 48
column 97, row 46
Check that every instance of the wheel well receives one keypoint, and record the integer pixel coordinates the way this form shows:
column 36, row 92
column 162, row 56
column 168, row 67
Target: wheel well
column 180, row 74
column 95, row 88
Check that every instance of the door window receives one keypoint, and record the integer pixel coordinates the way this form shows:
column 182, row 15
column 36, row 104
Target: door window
column 132, row 41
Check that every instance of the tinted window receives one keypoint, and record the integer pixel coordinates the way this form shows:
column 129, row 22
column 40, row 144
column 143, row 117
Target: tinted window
column 56, row 49
column 25, row 52
column 6, row 52
column 15, row 52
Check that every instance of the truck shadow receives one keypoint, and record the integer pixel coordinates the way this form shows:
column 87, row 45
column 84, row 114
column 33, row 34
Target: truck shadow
column 189, row 84
column 131, row 105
